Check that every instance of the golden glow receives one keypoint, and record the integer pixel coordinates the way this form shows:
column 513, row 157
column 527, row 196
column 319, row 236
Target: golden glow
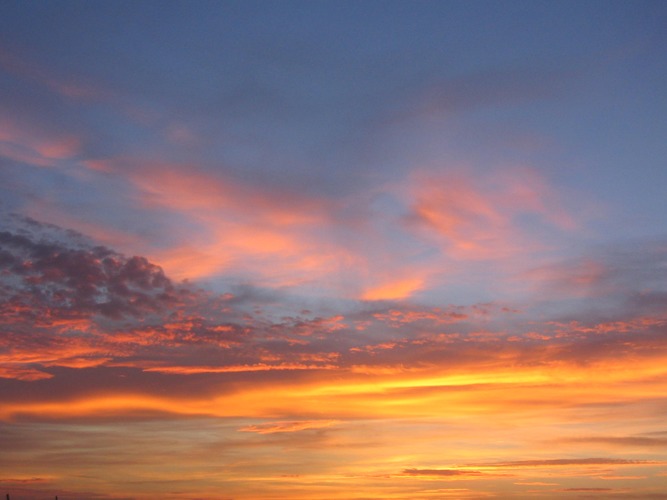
column 395, row 393
column 394, row 290
column 311, row 252
column 396, row 433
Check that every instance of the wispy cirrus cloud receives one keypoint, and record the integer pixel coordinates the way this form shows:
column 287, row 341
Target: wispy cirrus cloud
column 494, row 469
column 563, row 462
column 641, row 442
column 294, row 426
column 22, row 143
column 66, row 86
column 444, row 473
column 594, row 490
column 477, row 218
column 232, row 225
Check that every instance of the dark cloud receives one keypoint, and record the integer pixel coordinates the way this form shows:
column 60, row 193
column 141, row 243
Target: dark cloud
column 42, row 276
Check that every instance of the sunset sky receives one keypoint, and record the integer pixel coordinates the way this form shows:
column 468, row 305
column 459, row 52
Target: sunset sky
column 320, row 250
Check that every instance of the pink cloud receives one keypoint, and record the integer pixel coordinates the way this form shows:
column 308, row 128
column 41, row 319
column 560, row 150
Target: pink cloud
column 279, row 238
column 269, row 234
column 580, row 278
column 65, row 86
column 282, row 237
column 35, row 146
column 481, row 218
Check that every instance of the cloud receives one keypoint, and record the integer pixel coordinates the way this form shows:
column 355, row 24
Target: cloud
column 72, row 282
column 25, row 480
column 22, row 373
column 622, row 441
column 443, row 472
column 394, row 290
column 40, row 148
column 349, row 328
column 580, row 277
column 535, row 483
column 206, row 222
column 622, row 478
column 381, row 359
column 258, row 367
column 67, row 86
column 587, row 489
column 624, row 276
column 56, row 293
column 475, row 218
column 271, row 235
column 295, row 426
column 493, row 87
column 566, row 462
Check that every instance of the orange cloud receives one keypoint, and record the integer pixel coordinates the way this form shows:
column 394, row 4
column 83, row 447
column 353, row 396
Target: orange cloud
column 443, row 473
column 257, row 367
column 295, row 426
column 394, row 290
column 400, row 317
column 401, row 392
column 22, row 373
column 535, row 483
column 564, row 462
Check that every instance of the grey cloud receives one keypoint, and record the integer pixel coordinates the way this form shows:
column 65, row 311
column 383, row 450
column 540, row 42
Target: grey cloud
column 621, row 278
column 587, row 489
column 40, row 275
column 441, row 472
column 625, row 441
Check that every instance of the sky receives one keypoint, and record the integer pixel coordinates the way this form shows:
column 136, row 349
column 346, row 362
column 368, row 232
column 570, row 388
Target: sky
column 332, row 250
